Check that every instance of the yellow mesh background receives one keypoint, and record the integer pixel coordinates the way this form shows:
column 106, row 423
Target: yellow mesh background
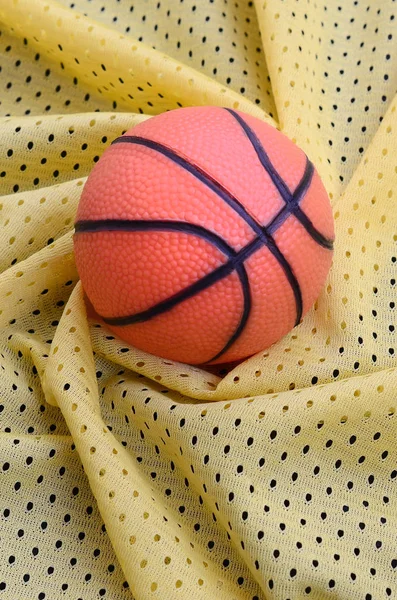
column 123, row 475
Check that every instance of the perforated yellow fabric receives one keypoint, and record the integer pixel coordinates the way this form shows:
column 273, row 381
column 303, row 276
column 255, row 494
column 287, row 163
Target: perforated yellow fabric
column 123, row 475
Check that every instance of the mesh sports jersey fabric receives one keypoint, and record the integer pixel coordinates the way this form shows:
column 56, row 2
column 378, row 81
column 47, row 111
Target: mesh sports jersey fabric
column 123, row 475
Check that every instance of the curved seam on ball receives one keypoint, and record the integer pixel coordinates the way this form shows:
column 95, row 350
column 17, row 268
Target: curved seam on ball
column 291, row 199
column 235, row 263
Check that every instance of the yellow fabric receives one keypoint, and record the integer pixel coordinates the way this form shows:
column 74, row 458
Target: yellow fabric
column 124, row 475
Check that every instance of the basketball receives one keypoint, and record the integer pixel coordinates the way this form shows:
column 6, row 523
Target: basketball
column 203, row 235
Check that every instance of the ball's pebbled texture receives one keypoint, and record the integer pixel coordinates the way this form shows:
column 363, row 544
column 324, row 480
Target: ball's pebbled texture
column 203, row 235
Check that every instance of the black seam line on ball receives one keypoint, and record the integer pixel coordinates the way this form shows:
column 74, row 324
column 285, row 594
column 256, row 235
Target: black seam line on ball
column 291, row 199
column 247, row 305
column 95, row 226
column 232, row 202
column 236, row 262
column 293, row 205
column 198, row 173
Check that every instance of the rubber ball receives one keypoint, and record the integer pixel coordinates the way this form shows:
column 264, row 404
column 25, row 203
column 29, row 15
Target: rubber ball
column 203, row 235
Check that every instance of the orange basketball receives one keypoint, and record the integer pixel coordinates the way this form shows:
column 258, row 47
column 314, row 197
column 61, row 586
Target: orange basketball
column 203, row 235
